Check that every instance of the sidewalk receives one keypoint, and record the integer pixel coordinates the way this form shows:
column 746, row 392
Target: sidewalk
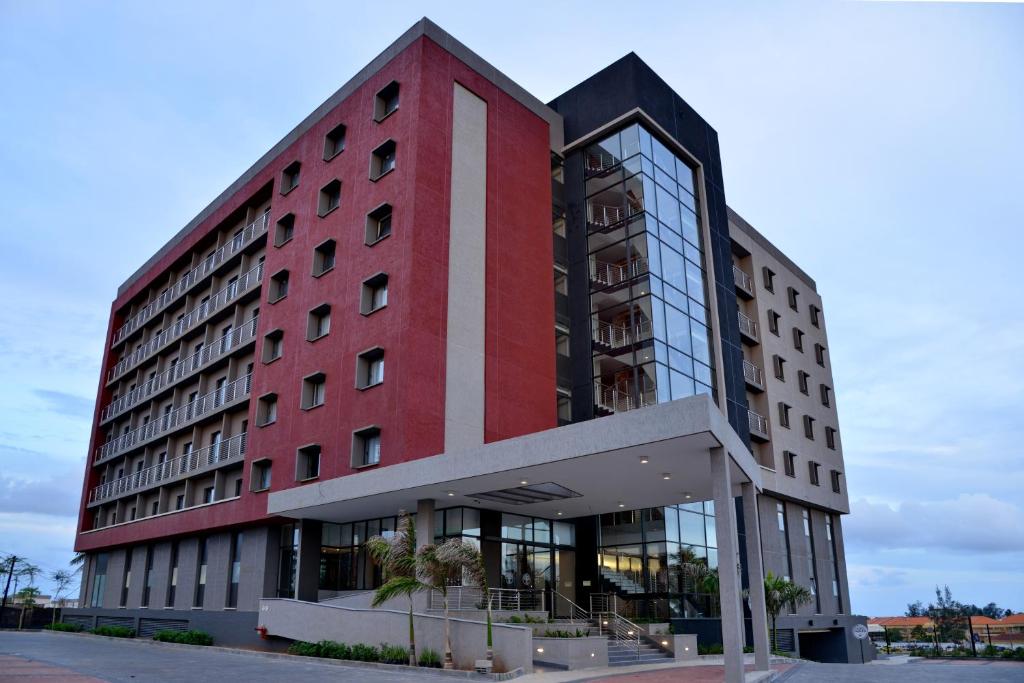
column 707, row 669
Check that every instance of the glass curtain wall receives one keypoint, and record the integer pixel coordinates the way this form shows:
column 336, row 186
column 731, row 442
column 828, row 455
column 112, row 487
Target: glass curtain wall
column 344, row 563
column 649, row 304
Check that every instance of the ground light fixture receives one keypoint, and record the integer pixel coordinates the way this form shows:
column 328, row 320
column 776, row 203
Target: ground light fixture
column 665, row 643
column 540, row 650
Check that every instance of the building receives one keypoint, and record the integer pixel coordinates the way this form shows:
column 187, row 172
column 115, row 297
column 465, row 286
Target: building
column 364, row 323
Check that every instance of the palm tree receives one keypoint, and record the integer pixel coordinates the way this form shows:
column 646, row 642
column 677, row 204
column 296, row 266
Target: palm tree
column 78, row 562
column 27, row 597
column 61, row 578
column 397, row 558
column 778, row 592
column 437, row 565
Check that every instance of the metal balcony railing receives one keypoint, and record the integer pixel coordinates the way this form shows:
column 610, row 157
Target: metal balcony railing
column 747, row 325
column 615, row 400
column 752, row 373
column 229, row 450
column 605, row 216
column 205, row 309
column 758, row 423
column 743, row 280
column 472, row 598
column 201, row 406
column 610, row 274
column 597, row 162
column 183, row 368
column 208, row 265
column 618, row 336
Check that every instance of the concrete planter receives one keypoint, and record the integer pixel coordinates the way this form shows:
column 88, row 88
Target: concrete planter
column 571, row 653
column 682, row 646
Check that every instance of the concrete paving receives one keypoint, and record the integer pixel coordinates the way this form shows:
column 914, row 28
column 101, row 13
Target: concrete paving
column 913, row 671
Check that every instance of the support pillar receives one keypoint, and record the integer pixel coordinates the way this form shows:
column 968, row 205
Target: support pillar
column 728, row 566
column 755, row 574
column 424, row 522
column 307, row 571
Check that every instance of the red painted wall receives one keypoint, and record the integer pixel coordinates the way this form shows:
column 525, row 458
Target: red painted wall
column 409, row 405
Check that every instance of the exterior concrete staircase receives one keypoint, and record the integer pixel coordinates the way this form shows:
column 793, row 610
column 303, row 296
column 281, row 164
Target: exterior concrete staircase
column 621, row 653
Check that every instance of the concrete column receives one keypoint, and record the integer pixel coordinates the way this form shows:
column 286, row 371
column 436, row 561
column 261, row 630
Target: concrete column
column 728, row 566
column 307, row 579
column 424, row 522
column 755, row 573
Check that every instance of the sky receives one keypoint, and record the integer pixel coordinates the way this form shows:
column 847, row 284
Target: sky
column 879, row 144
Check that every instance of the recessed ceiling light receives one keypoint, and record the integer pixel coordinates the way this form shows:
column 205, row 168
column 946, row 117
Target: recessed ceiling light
column 621, row 504
column 451, row 493
column 644, row 460
column 666, row 476
column 559, row 513
column 523, row 482
column 687, row 495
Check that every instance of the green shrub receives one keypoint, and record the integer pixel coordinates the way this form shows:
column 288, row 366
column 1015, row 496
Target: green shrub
column 184, row 637
column 301, row 647
column 61, row 626
column 333, row 650
column 535, row 620
column 393, row 654
column 365, row 653
column 713, row 649
column 566, row 634
column 430, row 659
column 114, row 631
column 514, row 619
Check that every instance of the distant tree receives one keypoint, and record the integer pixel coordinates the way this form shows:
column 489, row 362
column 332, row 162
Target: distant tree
column 919, row 634
column 1008, row 613
column 62, row 579
column 26, row 597
column 948, row 616
column 993, row 611
column 915, row 609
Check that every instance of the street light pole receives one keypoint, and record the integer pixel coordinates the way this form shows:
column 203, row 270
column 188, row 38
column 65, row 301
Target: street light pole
column 13, row 559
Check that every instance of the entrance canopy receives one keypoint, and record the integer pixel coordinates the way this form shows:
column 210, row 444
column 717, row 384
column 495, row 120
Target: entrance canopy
column 659, row 455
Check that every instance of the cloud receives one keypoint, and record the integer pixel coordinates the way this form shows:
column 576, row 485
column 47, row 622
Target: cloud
column 57, row 495
column 66, row 404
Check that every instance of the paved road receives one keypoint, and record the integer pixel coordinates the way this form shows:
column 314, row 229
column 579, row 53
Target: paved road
column 34, row 656
column 922, row 671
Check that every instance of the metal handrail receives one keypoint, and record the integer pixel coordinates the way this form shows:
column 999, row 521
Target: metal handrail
column 742, row 278
column 224, row 451
column 205, row 309
column 616, row 400
column 617, row 336
column 203, row 405
column 752, row 373
column 605, row 215
column 608, row 274
column 210, row 263
column 472, row 597
column 597, row 162
column 183, row 368
column 606, row 610
column 575, row 611
column 747, row 325
column 756, row 422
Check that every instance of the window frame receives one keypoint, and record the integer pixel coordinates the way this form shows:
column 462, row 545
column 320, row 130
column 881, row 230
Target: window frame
column 323, row 254
column 315, row 321
column 382, row 98
column 310, row 391
column 266, row 407
column 365, row 361
column 370, row 287
column 272, row 340
column 373, row 220
column 285, row 224
column 259, row 467
column 302, row 456
column 274, row 293
column 359, row 445
column 291, row 175
column 329, row 198
column 334, row 141
column 379, row 156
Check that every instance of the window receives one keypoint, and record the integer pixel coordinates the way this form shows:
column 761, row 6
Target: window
column 835, row 481
column 334, row 142
column 375, row 294
column 779, row 363
column 179, row 502
column 386, row 102
column 769, row 279
column 278, row 286
column 313, row 389
column 172, row 583
column 323, row 258
column 370, row 368
column 366, row 447
column 155, row 508
column 773, row 322
column 382, row 160
column 798, row 339
column 815, row 315
column 793, row 298
column 830, row 438
column 234, row 569
column 319, row 322
column 819, row 354
column 127, row 577
column 290, row 177
column 238, row 487
column 147, row 579
column 813, row 469
column 260, row 479
column 273, row 345
column 308, row 463
column 826, row 398
column 208, row 494
column 285, row 229
column 266, row 410
column 802, row 380
column 201, row 572
column 330, row 198
column 809, row 427
column 789, row 463
column 784, row 415
column 378, row 224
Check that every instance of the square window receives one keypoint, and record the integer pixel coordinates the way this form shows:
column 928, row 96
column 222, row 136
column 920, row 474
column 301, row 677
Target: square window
column 366, row 447
column 789, row 463
column 334, row 142
column 802, row 380
column 386, row 102
column 285, row 230
column 813, row 468
column 382, row 160
column 324, row 257
column 793, row 298
column 278, row 286
column 273, row 345
column 784, row 415
column 260, row 479
column 330, row 198
column 319, row 323
column 773, row 322
column 830, row 438
column 314, row 389
column 826, row 398
column 378, row 224
column 769, row 279
column 370, row 368
column 290, row 177
column 375, row 294
column 835, row 481
column 307, row 462
column 779, row 363
column 815, row 315
column 809, row 427
column 819, row 354
column 266, row 410
column 798, row 339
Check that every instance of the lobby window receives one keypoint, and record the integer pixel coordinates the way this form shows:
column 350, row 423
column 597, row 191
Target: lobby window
column 386, row 102
column 803, row 380
column 127, row 577
column 278, row 286
column 261, row 471
column 370, row 368
column 784, row 414
column 809, row 427
column 835, row 481
column 366, row 447
column 830, row 438
column 266, row 410
column 307, row 462
column 273, row 345
column 779, row 363
column 769, row 279
column 330, row 198
column 99, row 579
column 826, row 396
column 319, row 322
column 382, row 160
column 798, row 339
column 815, row 313
column 172, row 583
column 789, row 462
column 147, row 579
column 290, row 177
column 773, row 322
column 234, row 569
column 819, row 354
column 314, row 388
column 324, row 257
column 793, row 295
column 813, row 469
column 375, row 294
column 285, row 230
column 378, row 224
column 334, row 142
column 200, row 595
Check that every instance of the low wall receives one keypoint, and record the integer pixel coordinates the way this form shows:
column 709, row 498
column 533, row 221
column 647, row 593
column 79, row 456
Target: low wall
column 681, row 646
column 312, row 622
column 571, row 653
column 228, row 627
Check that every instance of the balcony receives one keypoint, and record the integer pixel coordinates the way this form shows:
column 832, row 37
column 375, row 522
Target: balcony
column 208, row 266
column 609, row 399
column 758, row 426
column 602, row 217
column 229, row 450
column 744, row 283
column 563, row 370
column 604, row 275
column 231, row 292
column 203, row 406
column 609, row 337
column 753, row 376
column 183, row 368
column 748, row 329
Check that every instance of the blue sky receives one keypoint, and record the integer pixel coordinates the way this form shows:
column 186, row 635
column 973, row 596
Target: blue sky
column 879, row 144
